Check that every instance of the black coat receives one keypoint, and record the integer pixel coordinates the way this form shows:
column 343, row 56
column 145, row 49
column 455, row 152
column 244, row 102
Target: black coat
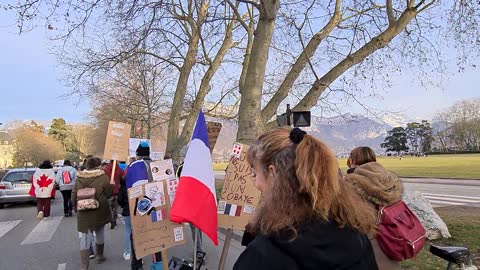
column 123, row 198
column 318, row 246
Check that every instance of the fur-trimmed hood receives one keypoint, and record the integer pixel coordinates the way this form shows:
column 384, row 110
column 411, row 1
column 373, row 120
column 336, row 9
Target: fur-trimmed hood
column 90, row 174
column 375, row 184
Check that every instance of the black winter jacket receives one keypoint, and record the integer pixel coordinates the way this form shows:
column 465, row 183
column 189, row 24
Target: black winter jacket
column 318, row 246
column 123, row 198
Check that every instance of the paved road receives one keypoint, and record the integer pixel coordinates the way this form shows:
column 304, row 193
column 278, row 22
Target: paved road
column 440, row 192
column 444, row 192
column 25, row 244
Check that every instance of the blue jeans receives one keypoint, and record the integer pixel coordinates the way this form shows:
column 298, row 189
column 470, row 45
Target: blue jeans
column 126, row 235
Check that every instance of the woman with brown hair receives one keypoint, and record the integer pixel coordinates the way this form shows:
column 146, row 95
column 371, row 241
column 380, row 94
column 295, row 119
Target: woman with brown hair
column 90, row 196
column 359, row 156
column 308, row 217
column 378, row 187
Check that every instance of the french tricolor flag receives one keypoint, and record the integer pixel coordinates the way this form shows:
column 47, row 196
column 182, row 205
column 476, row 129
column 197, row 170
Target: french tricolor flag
column 195, row 199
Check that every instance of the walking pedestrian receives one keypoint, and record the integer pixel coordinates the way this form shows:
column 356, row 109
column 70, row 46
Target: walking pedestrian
column 90, row 197
column 139, row 173
column 379, row 188
column 43, row 188
column 308, row 217
column 108, row 169
column 66, row 177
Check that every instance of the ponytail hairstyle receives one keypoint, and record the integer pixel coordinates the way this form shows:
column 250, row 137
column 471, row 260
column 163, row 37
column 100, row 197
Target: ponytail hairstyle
column 306, row 185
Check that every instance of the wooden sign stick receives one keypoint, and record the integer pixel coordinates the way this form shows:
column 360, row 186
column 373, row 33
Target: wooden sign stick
column 164, row 259
column 112, row 177
column 226, row 246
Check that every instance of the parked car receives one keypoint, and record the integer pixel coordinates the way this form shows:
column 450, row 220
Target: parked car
column 15, row 185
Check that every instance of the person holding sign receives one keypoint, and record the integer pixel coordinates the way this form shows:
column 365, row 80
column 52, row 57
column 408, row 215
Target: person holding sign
column 138, row 173
column 118, row 174
column 308, row 218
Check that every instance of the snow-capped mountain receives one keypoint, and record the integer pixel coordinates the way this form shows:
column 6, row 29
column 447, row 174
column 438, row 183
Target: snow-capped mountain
column 342, row 133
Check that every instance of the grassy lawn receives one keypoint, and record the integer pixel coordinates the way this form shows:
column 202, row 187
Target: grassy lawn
column 443, row 166
column 220, row 166
column 464, row 226
column 448, row 166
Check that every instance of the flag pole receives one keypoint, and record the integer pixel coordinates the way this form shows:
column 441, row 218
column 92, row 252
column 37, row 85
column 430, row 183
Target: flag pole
column 226, row 246
column 195, row 250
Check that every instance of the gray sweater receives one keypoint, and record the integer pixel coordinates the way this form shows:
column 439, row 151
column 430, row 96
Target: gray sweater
column 59, row 177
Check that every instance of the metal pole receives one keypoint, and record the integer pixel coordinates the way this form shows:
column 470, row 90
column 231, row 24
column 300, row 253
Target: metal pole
column 195, row 250
column 288, row 114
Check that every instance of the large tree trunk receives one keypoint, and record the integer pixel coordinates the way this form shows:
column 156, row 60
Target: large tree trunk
column 249, row 119
column 203, row 90
column 181, row 89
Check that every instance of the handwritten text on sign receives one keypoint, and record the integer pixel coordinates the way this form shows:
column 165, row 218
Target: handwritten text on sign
column 116, row 144
column 235, row 187
column 239, row 196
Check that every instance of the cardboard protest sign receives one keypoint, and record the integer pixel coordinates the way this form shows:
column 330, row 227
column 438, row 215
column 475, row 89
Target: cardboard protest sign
column 133, row 144
column 239, row 195
column 156, row 155
column 162, row 170
column 214, row 129
column 116, row 145
column 149, row 213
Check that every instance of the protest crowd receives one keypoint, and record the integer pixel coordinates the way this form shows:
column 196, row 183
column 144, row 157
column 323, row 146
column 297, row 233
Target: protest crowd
column 307, row 215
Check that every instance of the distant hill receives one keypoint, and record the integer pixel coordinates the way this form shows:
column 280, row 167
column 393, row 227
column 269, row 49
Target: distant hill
column 341, row 133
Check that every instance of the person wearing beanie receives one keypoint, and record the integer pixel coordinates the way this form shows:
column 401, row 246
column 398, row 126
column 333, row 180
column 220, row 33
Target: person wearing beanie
column 143, row 150
column 139, row 173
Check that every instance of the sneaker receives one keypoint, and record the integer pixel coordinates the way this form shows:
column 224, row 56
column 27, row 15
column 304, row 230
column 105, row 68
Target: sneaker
column 126, row 256
column 40, row 215
column 91, row 256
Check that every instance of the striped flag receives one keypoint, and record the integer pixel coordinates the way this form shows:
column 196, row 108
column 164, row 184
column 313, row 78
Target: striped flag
column 159, row 215
column 195, row 199
column 231, row 210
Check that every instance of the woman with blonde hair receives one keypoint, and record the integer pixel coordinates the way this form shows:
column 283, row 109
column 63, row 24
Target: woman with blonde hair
column 309, row 218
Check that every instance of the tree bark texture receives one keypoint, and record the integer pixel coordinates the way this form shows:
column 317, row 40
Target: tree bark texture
column 249, row 118
column 181, row 89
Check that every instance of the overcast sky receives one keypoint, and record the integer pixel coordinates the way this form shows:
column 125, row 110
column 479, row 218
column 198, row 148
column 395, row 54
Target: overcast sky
column 30, row 87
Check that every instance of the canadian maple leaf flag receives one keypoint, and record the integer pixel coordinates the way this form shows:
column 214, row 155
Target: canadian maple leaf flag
column 195, row 199
column 43, row 184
